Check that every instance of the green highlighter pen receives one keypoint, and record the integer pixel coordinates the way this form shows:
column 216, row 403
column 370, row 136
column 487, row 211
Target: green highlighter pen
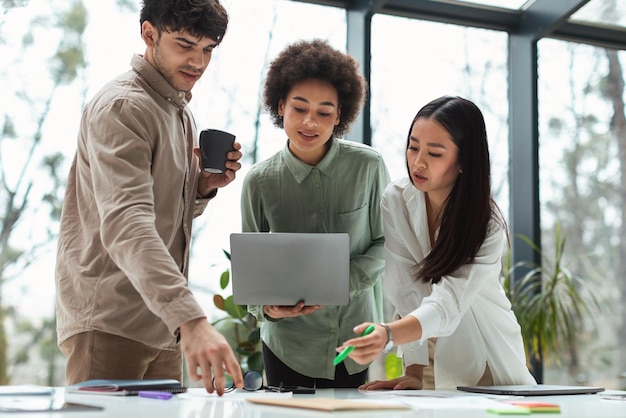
column 342, row 356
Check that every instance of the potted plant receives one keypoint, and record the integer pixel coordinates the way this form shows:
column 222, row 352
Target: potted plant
column 551, row 302
column 239, row 327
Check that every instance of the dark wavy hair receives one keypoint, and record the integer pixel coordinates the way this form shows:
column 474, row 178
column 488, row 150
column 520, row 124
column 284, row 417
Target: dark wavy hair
column 303, row 60
column 469, row 207
column 201, row 18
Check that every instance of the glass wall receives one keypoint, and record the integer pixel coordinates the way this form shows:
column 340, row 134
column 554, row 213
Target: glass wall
column 582, row 149
column 437, row 59
column 227, row 97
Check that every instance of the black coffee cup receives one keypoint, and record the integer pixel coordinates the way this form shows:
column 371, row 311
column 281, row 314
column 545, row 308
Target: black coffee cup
column 214, row 145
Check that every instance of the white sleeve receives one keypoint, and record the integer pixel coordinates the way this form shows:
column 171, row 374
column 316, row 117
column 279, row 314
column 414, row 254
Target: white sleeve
column 441, row 311
column 399, row 284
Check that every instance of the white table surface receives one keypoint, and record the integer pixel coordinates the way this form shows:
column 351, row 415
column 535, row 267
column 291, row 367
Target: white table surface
column 197, row 403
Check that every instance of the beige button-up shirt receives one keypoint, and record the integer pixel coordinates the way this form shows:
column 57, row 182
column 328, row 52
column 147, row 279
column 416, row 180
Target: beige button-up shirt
column 123, row 247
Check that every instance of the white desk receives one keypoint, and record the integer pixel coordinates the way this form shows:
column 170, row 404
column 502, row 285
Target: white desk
column 198, row 404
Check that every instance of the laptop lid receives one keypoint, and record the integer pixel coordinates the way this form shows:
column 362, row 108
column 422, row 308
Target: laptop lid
column 282, row 268
column 532, row 390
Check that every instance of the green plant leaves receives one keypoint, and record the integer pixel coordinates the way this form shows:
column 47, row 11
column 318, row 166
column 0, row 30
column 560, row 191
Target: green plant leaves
column 224, row 279
column 550, row 302
column 255, row 361
column 227, row 254
column 245, row 348
column 255, row 335
column 235, row 311
column 241, row 328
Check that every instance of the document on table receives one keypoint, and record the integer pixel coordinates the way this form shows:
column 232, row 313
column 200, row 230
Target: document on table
column 41, row 403
column 421, row 393
column 440, row 399
column 331, row 404
column 25, row 390
column 614, row 396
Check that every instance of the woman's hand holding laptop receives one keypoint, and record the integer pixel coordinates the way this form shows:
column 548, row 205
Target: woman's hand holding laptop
column 280, row 311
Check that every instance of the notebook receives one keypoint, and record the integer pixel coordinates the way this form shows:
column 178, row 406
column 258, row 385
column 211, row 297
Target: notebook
column 126, row 387
column 282, row 268
column 532, row 390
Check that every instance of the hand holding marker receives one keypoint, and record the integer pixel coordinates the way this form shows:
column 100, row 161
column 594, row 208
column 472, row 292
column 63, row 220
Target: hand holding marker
column 342, row 356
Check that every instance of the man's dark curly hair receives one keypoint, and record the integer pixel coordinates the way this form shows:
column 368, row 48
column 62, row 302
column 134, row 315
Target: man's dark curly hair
column 303, row 60
column 201, row 18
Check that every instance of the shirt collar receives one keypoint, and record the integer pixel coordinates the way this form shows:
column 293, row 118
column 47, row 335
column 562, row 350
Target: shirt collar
column 300, row 170
column 159, row 83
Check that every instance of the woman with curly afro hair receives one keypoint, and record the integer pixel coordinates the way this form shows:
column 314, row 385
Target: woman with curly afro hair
column 318, row 183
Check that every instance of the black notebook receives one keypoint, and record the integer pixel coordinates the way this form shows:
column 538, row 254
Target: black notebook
column 123, row 387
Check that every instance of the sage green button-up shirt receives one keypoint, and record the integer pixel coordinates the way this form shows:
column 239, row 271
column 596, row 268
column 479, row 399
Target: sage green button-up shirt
column 341, row 193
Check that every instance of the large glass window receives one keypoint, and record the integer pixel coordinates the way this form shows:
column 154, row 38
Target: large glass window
column 582, row 189
column 437, row 59
column 227, row 97
column 602, row 12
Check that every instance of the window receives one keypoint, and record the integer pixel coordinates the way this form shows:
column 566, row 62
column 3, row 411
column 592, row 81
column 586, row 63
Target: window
column 582, row 187
column 437, row 59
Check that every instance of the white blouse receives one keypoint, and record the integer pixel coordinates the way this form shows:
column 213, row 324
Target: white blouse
column 467, row 311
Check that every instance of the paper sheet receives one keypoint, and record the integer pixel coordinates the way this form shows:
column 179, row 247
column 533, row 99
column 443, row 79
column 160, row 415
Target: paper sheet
column 330, row 404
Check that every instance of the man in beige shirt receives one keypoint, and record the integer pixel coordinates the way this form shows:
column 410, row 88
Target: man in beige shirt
column 124, row 309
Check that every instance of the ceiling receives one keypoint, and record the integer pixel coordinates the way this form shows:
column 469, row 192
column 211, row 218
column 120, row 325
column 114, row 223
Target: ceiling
column 584, row 21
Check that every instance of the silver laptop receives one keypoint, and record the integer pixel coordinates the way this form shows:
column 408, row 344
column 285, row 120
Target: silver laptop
column 532, row 390
column 282, row 268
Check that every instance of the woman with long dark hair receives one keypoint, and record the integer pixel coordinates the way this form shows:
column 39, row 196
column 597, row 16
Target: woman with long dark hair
column 444, row 243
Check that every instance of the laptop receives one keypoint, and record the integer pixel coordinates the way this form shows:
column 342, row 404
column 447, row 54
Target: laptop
column 532, row 390
column 283, row 268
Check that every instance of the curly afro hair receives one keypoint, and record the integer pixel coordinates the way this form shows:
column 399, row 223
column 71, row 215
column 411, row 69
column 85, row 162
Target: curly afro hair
column 304, row 60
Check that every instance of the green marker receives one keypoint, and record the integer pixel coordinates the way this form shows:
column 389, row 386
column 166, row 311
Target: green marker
column 342, row 356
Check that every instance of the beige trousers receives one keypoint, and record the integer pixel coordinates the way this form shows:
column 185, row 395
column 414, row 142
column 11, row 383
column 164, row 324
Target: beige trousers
column 428, row 381
column 99, row 355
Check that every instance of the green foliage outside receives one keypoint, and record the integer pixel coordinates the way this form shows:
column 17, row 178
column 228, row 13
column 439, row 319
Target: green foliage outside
column 65, row 64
